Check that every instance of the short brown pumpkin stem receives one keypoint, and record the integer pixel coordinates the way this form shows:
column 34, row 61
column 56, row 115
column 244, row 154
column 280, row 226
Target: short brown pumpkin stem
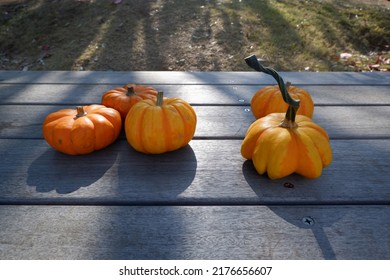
column 130, row 91
column 80, row 112
column 160, row 98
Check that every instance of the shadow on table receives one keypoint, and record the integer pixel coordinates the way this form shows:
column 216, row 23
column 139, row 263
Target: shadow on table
column 294, row 199
column 66, row 174
column 128, row 176
column 134, row 231
column 145, row 178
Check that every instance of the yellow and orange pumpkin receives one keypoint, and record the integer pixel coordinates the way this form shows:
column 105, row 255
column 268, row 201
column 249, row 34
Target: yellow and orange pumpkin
column 281, row 144
column 269, row 100
column 161, row 125
column 82, row 130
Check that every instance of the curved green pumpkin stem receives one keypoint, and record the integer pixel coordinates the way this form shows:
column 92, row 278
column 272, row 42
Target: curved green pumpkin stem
column 254, row 63
column 289, row 120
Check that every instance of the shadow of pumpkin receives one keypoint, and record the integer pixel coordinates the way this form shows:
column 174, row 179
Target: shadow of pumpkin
column 302, row 197
column 144, row 178
column 66, row 174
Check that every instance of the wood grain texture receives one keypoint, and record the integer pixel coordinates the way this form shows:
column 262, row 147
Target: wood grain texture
column 213, row 78
column 81, row 94
column 341, row 122
column 206, row 172
column 219, row 232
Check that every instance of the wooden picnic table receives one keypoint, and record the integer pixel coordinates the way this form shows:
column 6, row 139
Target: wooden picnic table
column 204, row 201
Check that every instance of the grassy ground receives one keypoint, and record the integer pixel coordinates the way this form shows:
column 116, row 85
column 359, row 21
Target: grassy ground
column 195, row 35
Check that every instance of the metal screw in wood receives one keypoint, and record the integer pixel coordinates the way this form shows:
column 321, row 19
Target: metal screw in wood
column 309, row 221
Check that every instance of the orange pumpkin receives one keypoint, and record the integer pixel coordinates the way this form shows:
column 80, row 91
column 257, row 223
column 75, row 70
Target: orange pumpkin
column 82, row 130
column 280, row 146
column 123, row 98
column 161, row 125
column 270, row 100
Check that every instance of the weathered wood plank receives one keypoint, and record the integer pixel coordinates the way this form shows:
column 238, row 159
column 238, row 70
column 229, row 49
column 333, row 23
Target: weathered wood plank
column 203, row 201
column 161, row 77
column 207, row 172
column 221, row 232
column 23, row 121
column 38, row 94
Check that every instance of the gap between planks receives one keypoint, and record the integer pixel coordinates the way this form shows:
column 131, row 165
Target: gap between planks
column 103, row 203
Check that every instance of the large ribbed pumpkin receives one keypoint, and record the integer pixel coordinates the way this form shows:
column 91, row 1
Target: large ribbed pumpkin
column 161, row 125
column 269, row 100
column 123, row 98
column 82, row 130
column 279, row 146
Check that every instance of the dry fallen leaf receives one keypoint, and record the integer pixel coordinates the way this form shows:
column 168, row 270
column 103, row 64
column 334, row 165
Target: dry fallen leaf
column 345, row 55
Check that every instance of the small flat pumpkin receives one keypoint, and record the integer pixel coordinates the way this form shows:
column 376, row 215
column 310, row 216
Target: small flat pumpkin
column 279, row 146
column 269, row 100
column 82, row 130
column 123, row 98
